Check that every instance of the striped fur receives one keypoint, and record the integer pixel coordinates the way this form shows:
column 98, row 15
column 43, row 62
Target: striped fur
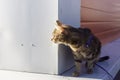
column 76, row 39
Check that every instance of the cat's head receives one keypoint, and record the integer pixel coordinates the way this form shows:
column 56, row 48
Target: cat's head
column 60, row 33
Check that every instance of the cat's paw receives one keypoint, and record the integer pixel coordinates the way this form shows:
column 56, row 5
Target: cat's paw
column 89, row 71
column 75, row 74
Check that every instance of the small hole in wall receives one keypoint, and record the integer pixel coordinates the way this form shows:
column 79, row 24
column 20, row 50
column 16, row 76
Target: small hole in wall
column 22, row 45
column 33, row 45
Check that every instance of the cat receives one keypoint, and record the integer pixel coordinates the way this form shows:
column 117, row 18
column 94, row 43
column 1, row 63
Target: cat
column 83, row 43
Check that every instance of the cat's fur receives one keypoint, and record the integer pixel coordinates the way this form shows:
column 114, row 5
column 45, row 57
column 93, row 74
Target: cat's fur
column 85, row 46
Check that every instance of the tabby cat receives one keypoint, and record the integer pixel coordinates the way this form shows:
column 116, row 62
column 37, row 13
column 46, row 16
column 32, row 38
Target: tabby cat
column 83, row 43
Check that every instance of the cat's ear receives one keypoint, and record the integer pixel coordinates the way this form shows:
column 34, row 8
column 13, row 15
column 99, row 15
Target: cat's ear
column 59, row 26
column 58, row 23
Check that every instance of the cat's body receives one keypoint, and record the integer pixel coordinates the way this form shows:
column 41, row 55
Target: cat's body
column 85, row 46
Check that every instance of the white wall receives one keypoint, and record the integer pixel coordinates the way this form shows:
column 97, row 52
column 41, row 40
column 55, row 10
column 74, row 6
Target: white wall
column 25, row 30
column 44, row 57
column 14, row 23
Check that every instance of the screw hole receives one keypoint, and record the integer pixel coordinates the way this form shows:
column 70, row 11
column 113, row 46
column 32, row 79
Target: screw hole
column 22, row 45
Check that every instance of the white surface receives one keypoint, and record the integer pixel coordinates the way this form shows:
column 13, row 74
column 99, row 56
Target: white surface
column 14, row 23
column 44, row 54
column 25, row 30
column 11, row 75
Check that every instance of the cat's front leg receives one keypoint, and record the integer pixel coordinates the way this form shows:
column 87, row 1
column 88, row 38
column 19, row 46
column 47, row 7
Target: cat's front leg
column 76, row 73
column 90, row 65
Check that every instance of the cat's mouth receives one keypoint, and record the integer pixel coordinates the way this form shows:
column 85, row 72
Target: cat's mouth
column 53, row 40
column 56, row 42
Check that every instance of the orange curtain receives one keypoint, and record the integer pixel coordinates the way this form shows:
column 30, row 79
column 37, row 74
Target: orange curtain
column 102, row 18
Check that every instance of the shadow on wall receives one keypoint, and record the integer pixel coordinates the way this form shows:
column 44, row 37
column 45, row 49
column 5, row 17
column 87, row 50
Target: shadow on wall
column 65, row 58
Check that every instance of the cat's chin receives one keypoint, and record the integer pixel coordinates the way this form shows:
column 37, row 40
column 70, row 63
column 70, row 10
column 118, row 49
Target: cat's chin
column 61, row 43
column 57, row 42
column 64, row 44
